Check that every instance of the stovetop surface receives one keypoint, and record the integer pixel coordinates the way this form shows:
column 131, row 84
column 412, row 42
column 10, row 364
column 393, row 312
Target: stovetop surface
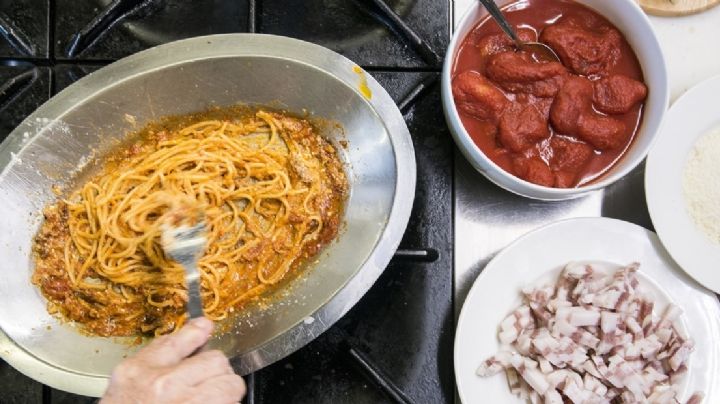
column 395, row 345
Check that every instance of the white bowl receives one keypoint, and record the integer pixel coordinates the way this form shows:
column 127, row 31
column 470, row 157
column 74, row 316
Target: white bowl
column 627, row 16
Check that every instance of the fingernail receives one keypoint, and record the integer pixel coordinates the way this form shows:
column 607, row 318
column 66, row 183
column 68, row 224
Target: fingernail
column 202, row 323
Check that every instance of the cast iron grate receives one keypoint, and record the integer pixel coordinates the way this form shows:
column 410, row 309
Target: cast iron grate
column 46, row 45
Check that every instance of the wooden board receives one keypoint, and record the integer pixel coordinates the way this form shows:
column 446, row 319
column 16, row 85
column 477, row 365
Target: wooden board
column 672, row 8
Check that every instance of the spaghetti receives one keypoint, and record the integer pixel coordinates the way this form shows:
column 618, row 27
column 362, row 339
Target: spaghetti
column 271, row 190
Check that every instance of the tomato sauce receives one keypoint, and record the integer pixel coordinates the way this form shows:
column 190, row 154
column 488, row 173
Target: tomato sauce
column 559, row 125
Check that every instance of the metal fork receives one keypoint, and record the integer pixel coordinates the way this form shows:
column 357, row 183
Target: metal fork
column 185, row 244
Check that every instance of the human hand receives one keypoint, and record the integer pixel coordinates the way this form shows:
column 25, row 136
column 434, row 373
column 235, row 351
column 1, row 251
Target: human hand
column 162, row 372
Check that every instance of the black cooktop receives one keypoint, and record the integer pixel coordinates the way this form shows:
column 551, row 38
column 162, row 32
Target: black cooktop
column 395, row 345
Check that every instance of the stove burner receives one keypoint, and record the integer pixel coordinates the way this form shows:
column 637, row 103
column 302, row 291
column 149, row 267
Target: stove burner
column 15, row 36
column 24, row 28
column 16, row 86
column 364, row 25
column 426, row 83
column 203, row 18
column 382, row 12
column 321, row 21
column 378, row 377
column 367, row 356
column 114, row 13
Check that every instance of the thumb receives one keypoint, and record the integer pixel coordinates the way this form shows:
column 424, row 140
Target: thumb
column 171, row 349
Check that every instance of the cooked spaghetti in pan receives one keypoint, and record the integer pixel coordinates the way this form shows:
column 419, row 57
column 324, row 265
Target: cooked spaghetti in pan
column 272, row 192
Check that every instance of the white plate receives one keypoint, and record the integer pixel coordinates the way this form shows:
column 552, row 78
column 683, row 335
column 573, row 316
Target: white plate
column 692, row 116
column 539, row 255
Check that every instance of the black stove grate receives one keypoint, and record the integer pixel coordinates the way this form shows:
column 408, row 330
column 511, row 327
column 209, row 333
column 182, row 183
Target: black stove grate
column 24, row 28
column 395, row 345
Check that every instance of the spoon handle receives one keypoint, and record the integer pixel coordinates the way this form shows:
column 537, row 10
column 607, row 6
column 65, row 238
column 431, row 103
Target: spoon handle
column 495, row 12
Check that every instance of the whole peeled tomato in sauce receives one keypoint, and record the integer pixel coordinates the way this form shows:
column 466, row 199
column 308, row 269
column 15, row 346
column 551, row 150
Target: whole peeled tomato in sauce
column 556, row 124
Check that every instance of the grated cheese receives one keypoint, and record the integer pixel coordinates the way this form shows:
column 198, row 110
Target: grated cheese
column 701, row 184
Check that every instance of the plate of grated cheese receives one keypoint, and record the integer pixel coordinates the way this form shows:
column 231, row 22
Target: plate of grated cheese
column 682, row 183
column 589, row 310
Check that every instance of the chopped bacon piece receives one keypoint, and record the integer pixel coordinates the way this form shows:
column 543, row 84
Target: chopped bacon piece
column 609, row 299
column 592, row 338
column 672, row 312
column 560, row 351
column 590, row 367
column 696, row 398
column 612, row 393
column 662, row 394
column 542, row 313
column 574, row 393
column 494, row 365
column 558, row 377
column 579, row 317
column 680, row 332
column 645, row 315
column 524, row 342
column 676, row 376
column 634, row 327
column 545, row 365
column 576, row 270
column 609, row 321
column 514, row 324
column 649, row 346
column 525, row 390
column 594, row 385
column 680, row 356
column 586, row 339
column 553, row 397
column 528, row 370
column 513, row 379
column 651, row 377
column 539, row 295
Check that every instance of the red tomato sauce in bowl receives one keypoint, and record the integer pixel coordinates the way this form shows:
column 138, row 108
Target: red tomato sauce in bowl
column 554, row 124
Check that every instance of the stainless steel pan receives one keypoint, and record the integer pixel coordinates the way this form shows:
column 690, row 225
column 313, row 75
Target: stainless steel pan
column 88, row 118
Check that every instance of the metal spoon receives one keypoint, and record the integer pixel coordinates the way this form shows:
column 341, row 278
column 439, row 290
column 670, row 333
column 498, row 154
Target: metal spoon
column 539, row 51
column 185, row 244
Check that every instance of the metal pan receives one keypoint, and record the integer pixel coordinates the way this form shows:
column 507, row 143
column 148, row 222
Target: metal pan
column 88, row 118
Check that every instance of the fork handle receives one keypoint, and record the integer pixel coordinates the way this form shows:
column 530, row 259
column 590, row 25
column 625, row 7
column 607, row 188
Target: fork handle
column 194, row 301
column 194, row 304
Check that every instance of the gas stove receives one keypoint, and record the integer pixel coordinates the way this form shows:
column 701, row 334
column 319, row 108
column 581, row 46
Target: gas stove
column 395, row 345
